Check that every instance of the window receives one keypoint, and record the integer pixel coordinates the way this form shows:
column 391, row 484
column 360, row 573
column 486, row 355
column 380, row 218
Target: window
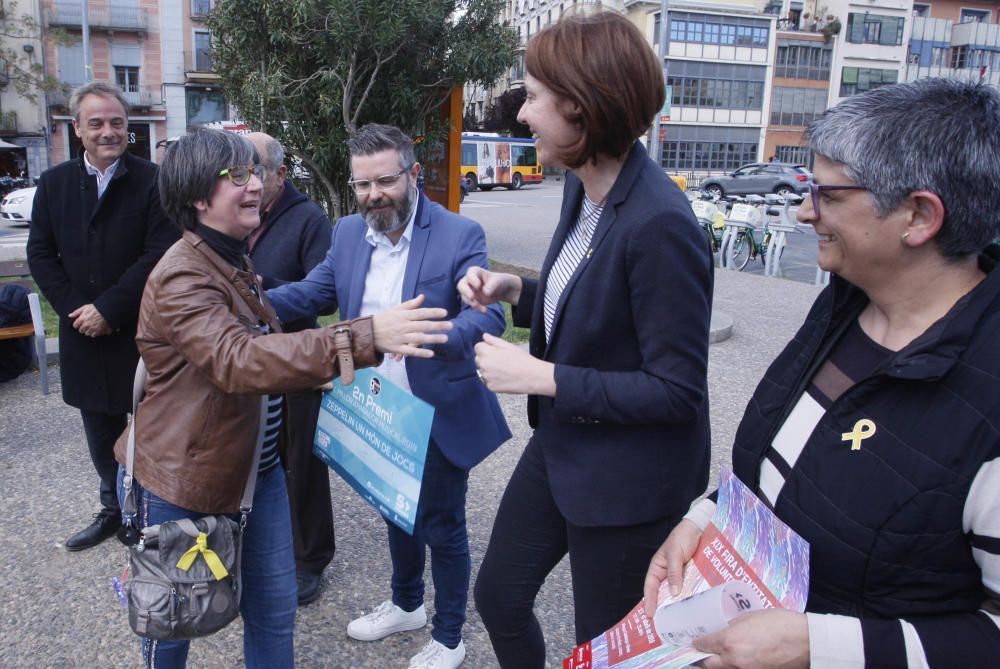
column 523, row 155
column 803, row 60
column 205, row 105
column 127, row 78
column 204, row 59
column 709, row 147
column 201, row 8
column 855, row 80
column 875, row 29
column 716, row 85
column 71, row 67
column 711, row 29
column 796, row 106
column 796, row 155
column 960, row 56
column 921, row 10
column 974, row 16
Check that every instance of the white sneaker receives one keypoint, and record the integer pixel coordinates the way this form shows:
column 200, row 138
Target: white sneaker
column 436, row 655
column 386, row 619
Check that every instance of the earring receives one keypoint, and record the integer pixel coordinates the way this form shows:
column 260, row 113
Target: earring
column 905, row 235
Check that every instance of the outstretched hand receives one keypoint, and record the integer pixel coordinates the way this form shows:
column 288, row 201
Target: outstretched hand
column 480, row 287
column 405, row 329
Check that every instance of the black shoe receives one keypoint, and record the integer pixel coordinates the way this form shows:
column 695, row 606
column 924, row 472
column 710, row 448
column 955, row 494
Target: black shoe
column 308, row 588
column 105, row 525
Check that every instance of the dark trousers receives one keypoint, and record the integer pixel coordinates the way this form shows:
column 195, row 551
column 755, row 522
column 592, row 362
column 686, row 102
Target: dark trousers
column 440, row 525
column 102, row 432
column 308, row 487
column 530, row 536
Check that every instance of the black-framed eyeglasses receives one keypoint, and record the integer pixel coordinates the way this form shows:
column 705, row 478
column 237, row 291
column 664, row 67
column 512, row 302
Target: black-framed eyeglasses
column 385, row 182
column 815, row 189
column 240, row 174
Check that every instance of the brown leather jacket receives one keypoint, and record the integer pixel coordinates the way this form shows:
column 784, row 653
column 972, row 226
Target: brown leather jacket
column 196, row 427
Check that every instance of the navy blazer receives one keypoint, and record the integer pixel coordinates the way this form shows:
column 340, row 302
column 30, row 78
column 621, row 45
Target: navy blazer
column 468, row 423
column 626, row 439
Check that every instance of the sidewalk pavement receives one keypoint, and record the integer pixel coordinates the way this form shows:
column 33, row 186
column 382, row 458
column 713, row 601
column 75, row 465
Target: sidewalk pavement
column 60, row 610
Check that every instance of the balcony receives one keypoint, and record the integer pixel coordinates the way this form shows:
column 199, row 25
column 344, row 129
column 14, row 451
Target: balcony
column 8, row 123
column 143, row 96
column 114, row 17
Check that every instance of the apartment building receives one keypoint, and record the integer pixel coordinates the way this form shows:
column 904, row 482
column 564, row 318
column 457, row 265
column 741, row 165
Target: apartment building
column 23, row 118
column 719, row 75
column 191, row 91
column 125, row 48
column 955, row 39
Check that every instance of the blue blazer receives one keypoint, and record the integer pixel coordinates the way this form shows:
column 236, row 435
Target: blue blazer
column 468, row 423
column 626, row 439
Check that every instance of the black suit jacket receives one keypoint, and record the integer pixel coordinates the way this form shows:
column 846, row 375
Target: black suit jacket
column 626, row 439
column 84, row 250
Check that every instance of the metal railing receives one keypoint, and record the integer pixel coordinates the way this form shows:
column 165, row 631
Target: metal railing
column 114, row 17
column 143, row 96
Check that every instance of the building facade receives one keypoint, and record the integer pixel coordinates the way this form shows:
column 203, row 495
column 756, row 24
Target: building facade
column 23, row 117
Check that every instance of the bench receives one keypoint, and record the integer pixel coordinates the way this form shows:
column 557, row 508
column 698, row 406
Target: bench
column 21, row 275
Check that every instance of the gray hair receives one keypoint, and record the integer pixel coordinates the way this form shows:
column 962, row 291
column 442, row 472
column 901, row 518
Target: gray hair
column 191, row 167
column 375, row 138
column 938, row 135
column 104, row 88
column 275, row 157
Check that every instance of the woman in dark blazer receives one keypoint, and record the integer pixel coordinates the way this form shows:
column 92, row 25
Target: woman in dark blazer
column 616, row 374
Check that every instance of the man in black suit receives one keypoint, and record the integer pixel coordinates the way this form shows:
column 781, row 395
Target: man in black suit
column 97, row 230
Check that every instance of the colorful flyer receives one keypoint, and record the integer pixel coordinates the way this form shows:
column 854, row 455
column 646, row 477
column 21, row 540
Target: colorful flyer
column 745, row 542
column 374, row 435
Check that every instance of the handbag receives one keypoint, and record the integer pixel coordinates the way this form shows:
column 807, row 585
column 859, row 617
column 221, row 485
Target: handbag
column 184, row 578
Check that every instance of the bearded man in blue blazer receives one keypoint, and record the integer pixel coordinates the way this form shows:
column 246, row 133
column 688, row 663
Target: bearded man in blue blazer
column 399, row 246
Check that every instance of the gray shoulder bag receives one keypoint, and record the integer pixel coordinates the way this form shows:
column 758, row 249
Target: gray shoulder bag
column 184, row 578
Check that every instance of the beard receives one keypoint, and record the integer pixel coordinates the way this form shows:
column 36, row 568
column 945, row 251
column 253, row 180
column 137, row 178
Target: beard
column 389, row 220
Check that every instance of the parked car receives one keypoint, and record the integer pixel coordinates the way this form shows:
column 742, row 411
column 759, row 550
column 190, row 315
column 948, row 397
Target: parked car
column 759, row 179
column 15, row 209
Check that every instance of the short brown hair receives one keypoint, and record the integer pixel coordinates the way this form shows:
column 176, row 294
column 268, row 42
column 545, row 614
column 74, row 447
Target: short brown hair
column 601, row 63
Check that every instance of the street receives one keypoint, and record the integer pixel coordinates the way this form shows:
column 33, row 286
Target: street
column 519, row 226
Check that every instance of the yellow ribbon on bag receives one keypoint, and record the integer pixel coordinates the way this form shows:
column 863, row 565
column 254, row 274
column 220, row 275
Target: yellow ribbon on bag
column 200, row 547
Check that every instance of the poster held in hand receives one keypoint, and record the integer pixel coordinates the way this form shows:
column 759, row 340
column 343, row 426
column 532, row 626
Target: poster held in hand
column 374, row 435
column 744, row 553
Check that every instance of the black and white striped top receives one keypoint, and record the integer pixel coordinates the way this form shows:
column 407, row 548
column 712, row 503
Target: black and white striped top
column 577, row 245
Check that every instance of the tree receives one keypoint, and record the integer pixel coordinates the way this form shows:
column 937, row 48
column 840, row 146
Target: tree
column 502, row 114
column 28, row 77
column 310, row 72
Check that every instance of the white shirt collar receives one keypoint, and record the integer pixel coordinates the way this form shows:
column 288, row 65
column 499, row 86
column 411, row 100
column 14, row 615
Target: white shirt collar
column 93, row 170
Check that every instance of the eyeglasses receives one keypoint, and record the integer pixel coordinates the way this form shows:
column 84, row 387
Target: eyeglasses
column 386, row 182
column 240, row 174
column 815, row 189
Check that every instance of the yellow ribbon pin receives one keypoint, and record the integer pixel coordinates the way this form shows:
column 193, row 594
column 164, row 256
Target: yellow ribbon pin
column 863, row 429
column 200, row 547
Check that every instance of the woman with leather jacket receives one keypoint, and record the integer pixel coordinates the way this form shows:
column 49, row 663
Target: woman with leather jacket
column 213, row 346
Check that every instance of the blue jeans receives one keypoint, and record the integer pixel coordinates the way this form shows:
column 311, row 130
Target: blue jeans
column 440, row 524
column 269, row 587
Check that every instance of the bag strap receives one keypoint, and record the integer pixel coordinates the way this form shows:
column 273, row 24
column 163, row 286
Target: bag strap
column 130, row 506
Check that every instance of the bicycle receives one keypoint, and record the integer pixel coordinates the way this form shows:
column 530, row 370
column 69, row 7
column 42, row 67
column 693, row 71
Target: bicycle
column 712, row 221
column 746, row 213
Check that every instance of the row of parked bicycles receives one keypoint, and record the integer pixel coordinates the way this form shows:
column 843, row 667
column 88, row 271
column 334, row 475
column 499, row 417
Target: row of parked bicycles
column 741, row 228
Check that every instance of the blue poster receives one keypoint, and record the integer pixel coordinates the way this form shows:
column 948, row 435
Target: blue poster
column 375, row 434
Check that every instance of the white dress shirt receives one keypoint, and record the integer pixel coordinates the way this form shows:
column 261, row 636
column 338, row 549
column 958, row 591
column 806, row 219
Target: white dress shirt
column 103, row 178
column 384, row 288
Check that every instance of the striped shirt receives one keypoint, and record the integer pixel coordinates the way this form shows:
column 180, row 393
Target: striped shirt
column 272, row 430
column 837, row 641
column 577, row 244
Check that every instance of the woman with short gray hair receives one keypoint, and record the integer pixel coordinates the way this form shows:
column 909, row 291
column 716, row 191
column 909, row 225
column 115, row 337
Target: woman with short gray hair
column 212, row 347
column 876, row 433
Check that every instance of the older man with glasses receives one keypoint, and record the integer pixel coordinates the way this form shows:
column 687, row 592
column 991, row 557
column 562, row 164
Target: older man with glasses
column 401, row 245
